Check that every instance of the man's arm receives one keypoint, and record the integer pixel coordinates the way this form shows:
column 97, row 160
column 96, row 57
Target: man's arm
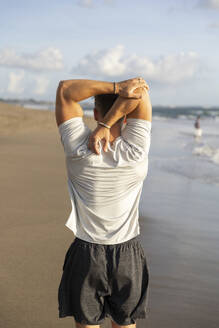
column 70, row 92
column 133, row 108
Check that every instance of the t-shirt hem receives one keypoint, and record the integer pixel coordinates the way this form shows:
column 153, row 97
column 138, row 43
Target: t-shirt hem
column 109, row 242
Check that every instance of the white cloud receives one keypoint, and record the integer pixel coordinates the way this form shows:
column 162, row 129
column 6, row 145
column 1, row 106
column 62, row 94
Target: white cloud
column 114, row 63
column 47, row 59
column 15, row 80
column 41, row 85
column 212, row 4
column 24, row 84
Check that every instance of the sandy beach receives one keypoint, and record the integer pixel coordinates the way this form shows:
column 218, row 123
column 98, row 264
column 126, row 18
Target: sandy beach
column 33, row 238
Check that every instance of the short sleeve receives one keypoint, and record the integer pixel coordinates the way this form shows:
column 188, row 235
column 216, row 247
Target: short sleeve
column 137, row 137
column 74, row 136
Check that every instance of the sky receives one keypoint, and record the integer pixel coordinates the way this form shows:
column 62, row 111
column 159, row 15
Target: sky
column 173, row 45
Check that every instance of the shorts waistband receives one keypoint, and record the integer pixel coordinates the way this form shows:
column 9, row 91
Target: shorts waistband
column 84, row 243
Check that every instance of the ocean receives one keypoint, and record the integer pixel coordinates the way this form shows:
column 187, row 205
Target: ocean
column 181, row 112
column 183, row 170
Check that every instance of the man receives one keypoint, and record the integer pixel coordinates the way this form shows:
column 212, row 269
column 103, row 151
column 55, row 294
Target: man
column 105, row 272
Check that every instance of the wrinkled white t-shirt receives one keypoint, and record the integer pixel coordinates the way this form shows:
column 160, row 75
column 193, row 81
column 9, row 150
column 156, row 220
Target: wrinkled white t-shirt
column 105, row 189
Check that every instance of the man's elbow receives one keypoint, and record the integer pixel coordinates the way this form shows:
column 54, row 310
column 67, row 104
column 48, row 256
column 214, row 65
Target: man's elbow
column 61, row 85
column 61, row 89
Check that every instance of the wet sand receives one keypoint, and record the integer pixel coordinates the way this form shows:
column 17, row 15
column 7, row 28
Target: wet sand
column 33, row 238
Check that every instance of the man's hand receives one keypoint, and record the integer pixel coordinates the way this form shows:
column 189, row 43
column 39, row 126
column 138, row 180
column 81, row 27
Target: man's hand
column 100, row 133
column 132, row 88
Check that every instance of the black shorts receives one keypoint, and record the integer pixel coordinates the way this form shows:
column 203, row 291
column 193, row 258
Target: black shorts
column 101, row 281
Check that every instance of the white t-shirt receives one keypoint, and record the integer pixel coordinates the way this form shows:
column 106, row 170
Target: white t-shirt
column 105, row 189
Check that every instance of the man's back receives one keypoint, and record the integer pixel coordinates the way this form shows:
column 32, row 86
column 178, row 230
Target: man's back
column 105, row 189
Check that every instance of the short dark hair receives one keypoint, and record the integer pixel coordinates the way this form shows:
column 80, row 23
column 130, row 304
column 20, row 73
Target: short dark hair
column 104, row 102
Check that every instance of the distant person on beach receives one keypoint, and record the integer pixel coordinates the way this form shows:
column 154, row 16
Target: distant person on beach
column 198, row 130
column 105, row 271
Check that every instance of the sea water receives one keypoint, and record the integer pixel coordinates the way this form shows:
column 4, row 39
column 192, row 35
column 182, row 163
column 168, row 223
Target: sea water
column 183, row 169
column 179, row 222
